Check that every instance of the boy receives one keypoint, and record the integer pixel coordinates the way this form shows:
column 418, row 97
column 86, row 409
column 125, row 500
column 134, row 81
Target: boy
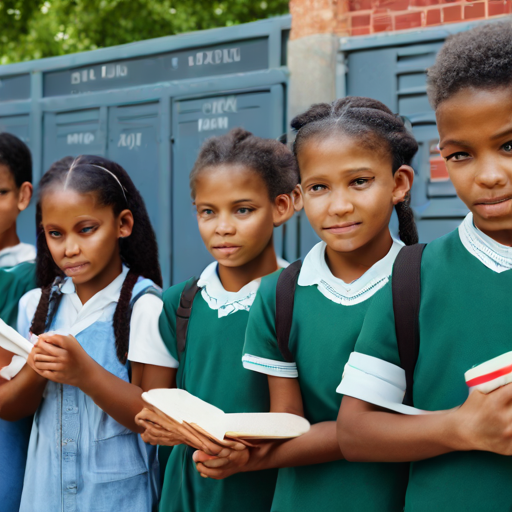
column 17, row 276
column 460, row 453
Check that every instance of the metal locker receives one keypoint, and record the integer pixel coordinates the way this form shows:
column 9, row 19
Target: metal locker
column 194, row 120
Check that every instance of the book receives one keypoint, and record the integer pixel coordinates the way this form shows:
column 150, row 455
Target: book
column 182, row 407
column 492, row 374
column 13, row 341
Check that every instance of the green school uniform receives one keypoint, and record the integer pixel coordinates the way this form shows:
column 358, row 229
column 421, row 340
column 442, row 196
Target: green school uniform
column 465, row 319
column 327, row 319
column 210, row 369
column 14, row 283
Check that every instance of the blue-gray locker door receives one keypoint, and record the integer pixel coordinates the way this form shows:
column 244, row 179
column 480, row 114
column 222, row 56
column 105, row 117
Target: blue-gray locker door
column 397, row 77
column 20, row 126
column 80, row 132
column 194, row 120
column 133, row 142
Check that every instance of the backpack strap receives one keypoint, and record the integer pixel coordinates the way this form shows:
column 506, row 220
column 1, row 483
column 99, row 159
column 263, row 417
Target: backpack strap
column 184, row 311
column 285, row 297
column 406, row 289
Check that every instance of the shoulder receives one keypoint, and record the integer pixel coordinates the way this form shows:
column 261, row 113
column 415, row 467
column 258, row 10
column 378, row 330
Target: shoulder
column 171, row 296
column 27, row 307
column 269, row 283
column 441, row 250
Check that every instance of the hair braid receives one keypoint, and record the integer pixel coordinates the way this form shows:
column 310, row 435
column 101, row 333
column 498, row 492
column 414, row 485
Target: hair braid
column 407, row 230
column 122, row 317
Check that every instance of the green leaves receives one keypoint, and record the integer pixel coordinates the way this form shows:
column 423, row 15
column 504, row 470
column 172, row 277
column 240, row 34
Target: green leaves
column 32, row 29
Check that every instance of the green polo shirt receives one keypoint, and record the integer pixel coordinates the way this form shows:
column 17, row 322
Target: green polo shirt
column 465, row 319
column 322, row 337
column 14, row 283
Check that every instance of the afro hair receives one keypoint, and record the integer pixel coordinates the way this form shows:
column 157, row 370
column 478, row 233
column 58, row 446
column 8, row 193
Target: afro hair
column 478, row 58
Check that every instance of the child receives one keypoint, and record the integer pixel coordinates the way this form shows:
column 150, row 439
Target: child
column 354, row 158
column 461, row 453
column 15, row 195
column 97, row 259
column 241, row 187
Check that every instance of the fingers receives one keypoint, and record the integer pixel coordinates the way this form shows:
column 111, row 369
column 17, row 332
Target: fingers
column 216, row 463
column 48, row 348
column 53, row 367
column 200, row 456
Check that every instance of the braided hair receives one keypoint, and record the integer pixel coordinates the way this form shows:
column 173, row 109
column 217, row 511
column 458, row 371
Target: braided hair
column 113, row 187
column 271, row 159
column 373, row 124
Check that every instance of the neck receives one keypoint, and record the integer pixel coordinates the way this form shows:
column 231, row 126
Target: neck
column 9, row 238
column 503, row 237
column 235, row 278
column 349, row 266
column 86, row 291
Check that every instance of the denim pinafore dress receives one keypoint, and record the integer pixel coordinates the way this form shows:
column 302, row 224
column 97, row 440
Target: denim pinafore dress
column 79, row 458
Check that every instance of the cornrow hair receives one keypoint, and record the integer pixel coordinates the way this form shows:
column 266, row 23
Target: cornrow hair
column 480, row 58
column 374, row 125
column 271, row 159
column 112, row 186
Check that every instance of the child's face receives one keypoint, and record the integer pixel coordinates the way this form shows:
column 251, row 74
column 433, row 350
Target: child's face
column 235, row 214
column 83, row 237
column 475, row 128
column 349, row 190
column 13, row 199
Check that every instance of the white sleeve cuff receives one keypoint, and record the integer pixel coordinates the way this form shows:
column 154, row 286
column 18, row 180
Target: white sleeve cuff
column 9, row 372
column 270, row 366
column 146, row 343
column 377, row 382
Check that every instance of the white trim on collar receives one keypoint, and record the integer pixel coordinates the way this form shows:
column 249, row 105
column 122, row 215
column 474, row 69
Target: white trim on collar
column 315, row 272
column 492, row 254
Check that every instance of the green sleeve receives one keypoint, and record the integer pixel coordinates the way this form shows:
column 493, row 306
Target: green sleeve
column 260, row 336
column 378, row 336
column 167, row 322
column 14, row 283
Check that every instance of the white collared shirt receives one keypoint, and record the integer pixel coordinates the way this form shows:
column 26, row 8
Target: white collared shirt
column 145, row 344
column 316, row 272
column 11, row 256
column 492, row 254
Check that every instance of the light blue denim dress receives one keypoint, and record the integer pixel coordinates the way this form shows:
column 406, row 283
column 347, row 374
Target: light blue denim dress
column 79, row 458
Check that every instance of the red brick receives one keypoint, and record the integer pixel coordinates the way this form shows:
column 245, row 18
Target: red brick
column 394, row 5
column 452, row 13
column 500, row 7
column 409, row 20
column 438, row 170
column 433, row 17
column 423, row 3
column 474, row 11
column 360, row 5
column 360, row 31
column 382, row 23
column 361, row 20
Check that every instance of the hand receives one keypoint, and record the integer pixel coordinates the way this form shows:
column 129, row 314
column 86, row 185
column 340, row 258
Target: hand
column 484, row 421
column 60, row 359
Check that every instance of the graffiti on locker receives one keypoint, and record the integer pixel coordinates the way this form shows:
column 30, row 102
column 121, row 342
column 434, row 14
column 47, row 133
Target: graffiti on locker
column 80, row 138
column 130, row 140
column 249, row 55
column 217, row 106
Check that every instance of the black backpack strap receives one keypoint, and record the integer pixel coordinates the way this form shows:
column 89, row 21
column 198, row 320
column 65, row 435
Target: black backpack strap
column 184, row 311
column 285, row 297
column 406, row 287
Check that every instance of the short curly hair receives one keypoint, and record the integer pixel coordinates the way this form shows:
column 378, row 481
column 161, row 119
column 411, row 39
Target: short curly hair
column 479, row 58
column 15, row 155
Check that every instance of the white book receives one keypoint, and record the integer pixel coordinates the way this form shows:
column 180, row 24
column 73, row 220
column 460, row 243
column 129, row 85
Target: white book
column 183, row 407
column 12, row 341
column 492, row 374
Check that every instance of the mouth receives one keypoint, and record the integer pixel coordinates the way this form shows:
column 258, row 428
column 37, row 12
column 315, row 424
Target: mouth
column 492, row 201
column 74, row 269
column 226, row 249
column 345, row 227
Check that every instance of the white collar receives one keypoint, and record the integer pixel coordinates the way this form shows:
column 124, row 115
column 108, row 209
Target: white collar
column 315, row 272
column 11, row 256
column 492, row 254
column 220, row 299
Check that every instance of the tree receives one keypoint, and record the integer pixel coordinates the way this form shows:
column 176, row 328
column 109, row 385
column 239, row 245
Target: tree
column 33, row 29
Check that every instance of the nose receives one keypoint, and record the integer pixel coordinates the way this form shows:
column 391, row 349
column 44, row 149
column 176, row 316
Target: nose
column 340, row 203
column 225, row 225
column 491, row 174
column 72, row 248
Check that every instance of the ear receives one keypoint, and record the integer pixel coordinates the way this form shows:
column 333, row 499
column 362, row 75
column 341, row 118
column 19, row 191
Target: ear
column 404, row 178
column 283, row 209
column 298, row 202
column 25, row 195
column 125, row 224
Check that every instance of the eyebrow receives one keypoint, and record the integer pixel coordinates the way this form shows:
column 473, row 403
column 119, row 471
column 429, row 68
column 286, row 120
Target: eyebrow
column 504, row 132
column 465, row 144
column 234, row 202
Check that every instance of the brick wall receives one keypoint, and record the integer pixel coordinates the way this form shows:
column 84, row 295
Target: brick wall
column 362, row 17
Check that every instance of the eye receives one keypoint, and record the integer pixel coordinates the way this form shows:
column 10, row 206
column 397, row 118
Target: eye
column 4, row 192
column 507, row 147
column 244, row 210
column 206, row 212
column 54, row 234
column 88, row 229
column 362, row 182
column 317, row 188
column 458, row 157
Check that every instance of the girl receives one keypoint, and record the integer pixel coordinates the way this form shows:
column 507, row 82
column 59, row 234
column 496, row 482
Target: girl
column 97, row 261
column 461, row 454
column 241, row 187
column 354, row 158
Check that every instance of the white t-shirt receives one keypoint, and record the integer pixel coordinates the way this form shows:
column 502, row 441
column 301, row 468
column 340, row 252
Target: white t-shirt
column 11, row 256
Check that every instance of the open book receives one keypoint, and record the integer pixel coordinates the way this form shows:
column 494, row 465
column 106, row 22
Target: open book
column 492, row 374
column 183, row 407
column 12, row 341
